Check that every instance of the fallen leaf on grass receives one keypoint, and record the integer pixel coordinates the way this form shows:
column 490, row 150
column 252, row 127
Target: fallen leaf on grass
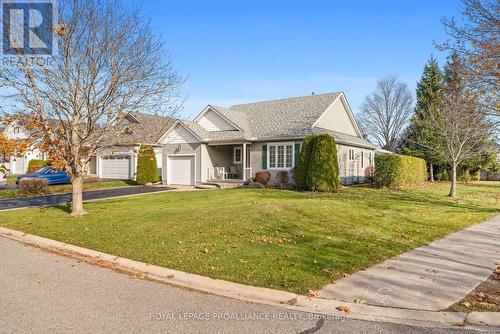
column 292, row 301
column 312, row 293
column 344, row 308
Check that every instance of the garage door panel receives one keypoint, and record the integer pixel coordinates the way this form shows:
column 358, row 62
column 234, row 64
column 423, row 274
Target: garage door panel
column 115, row 167
column 181, row 170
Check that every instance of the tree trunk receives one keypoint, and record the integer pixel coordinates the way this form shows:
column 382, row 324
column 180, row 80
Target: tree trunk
column 453, row 190
column 77, row 204
column 431, row 172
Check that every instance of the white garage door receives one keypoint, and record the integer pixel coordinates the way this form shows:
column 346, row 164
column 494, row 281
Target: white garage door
column 115, row 167
column 180, row 170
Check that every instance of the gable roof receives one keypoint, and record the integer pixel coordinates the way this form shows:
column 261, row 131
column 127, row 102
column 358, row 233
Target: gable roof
column 275, row 119
column 143, row 128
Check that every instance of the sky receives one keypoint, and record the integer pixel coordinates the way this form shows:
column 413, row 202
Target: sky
column 235, row 51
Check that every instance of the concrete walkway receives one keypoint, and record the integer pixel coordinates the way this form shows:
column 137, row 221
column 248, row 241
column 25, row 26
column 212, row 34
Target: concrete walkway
column 431, row 277
column 58, row 199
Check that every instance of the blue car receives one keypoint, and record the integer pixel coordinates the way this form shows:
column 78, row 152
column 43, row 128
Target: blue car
column 52, row 175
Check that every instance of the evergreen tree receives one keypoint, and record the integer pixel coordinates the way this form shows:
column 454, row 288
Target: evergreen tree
column 147, row 170
column 421, row 135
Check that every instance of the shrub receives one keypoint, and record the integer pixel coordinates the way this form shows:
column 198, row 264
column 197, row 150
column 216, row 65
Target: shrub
column 36, row 164
column 282, row 177
column 147, row 169
column 28, row 186
column 395, row 171
column 302, row 165
column 318, row 169
column 443, row 175
column 262, row 177
column 468, row 176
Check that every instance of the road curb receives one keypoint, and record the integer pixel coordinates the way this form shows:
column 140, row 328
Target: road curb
column 482, row 321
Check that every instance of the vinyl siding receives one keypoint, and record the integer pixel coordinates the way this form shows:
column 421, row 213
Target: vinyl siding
column 211, row 121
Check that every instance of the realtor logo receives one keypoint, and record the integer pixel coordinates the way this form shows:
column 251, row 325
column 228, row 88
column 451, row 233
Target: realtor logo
column 27, row 28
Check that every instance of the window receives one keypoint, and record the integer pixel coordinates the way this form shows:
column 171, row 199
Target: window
column 289, row 156
column 237, row 155
column 351, row 154
column 272, row 156
column 362, row 160
column 370, row 158
column 16, row 130
column 281, row 155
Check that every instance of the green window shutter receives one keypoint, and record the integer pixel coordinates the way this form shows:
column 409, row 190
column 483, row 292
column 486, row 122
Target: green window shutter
column 264, row 156
column 297, row 154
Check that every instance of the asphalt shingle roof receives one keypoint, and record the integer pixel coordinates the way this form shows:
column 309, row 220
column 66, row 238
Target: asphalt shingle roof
column 285, row 118
column 143, row 128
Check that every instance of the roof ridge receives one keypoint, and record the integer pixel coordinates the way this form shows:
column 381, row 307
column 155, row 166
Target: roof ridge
column 284, row 99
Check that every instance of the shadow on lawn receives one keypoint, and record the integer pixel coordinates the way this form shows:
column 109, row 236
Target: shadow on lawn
column 425, row 200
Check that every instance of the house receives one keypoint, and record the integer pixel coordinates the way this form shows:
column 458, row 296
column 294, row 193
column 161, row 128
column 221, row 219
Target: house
column 116, row 157
column 232, row 144
column 16, row 130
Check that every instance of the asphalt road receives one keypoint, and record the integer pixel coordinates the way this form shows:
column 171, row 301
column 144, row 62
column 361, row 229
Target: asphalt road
column 43, row 292
column 58, row 199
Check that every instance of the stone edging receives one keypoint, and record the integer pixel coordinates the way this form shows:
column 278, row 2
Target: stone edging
column 484, row 321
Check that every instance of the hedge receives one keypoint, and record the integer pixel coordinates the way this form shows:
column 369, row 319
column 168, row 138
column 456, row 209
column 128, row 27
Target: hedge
column 396, row 171
column 36, row 164
column 147, row 169
column 317, row 168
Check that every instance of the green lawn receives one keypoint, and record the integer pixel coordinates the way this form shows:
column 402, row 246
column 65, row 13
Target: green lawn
column 63, row 188
column 274, row 238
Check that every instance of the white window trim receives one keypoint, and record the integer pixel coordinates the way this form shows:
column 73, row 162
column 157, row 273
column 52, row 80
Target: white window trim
column 352, row 156
column 284, row 144
column 234, row 155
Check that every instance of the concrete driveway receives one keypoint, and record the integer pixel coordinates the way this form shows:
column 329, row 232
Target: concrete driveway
column 58, row 199
column 43, row 292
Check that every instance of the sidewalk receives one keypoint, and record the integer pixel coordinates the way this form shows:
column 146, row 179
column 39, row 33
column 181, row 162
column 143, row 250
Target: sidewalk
column 431, row 277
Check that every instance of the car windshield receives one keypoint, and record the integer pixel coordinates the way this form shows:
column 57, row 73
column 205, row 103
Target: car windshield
column 43, row 170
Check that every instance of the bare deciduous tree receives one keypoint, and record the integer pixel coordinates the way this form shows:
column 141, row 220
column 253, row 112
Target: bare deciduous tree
column 108, row 63
column 385, row 113
column 475, row 41
column 465, row 132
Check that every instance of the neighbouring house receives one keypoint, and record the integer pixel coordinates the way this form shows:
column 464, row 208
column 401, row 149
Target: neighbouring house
column 15, row 130
column 116, row 157
column 232, row 144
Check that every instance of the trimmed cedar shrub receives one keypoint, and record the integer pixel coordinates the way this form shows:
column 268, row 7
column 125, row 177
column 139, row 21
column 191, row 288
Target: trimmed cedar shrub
column 147, row 169
column 318, row 168
column 36, row 164
column 397, row 171
column 302, row 165
column 28, row 186
column 262, row 177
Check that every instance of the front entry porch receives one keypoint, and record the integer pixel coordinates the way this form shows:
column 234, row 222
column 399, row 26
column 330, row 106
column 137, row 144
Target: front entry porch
column 229, row 163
